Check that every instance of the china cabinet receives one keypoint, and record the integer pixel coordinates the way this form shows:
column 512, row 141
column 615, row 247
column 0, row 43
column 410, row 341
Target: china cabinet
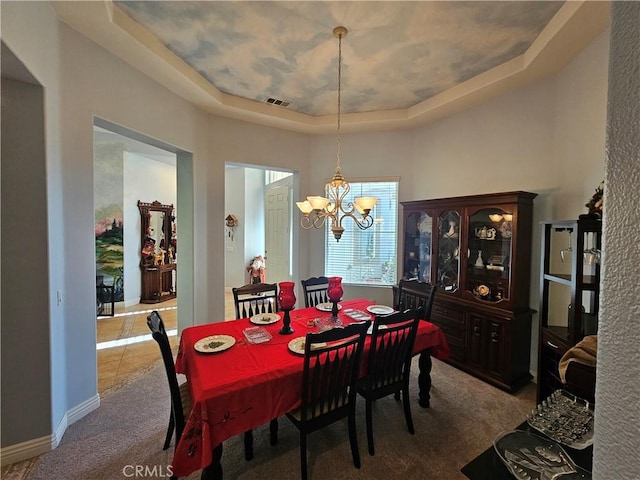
column 569, row 296
column 158, row 252
column 477, row 250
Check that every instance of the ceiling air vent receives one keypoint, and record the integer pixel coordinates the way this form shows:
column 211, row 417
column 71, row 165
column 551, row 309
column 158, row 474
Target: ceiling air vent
column 275, row 101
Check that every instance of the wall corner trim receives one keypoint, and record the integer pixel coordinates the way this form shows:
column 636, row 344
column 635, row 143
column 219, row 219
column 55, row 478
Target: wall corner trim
column 38, row 446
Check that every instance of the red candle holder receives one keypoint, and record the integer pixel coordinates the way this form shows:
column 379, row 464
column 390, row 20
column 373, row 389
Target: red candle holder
column 286, row 300
column 334, row 292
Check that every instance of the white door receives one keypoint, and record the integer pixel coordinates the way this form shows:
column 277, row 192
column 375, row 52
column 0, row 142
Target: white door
column 278, row 234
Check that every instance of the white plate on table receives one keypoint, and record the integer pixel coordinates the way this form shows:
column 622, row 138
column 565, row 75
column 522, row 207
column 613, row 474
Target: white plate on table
column 297, row 345
column 370, row 329
column 380, row 309
column 327, row 307
column 265, row 318
column 214, row 344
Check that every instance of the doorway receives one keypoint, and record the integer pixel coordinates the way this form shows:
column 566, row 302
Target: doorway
column 129, row 167
column 261, row 201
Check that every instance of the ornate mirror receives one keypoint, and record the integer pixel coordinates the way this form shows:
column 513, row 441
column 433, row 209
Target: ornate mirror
column 157, row 252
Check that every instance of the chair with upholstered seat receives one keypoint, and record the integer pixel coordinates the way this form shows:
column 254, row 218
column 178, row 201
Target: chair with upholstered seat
column 413, row 294
column 315, row 291
column 253, row 299
column 180, row 396
column 329, row 380
column 388, row 364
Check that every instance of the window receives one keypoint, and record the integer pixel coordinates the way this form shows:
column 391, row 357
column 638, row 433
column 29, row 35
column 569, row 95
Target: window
column 272, row 176
column 367, row 257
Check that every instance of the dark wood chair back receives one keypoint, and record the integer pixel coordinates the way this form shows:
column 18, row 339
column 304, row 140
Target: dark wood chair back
column 253, row 299
column 414, row 294
column 389, row 363
column 329, row 384
column 315, row 291
column 159, row 334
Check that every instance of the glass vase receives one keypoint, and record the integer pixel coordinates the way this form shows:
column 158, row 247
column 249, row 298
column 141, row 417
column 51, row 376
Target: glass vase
column 286, row 300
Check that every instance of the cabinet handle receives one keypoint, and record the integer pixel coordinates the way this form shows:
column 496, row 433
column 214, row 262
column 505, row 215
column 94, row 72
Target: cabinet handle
column 555, row 347
column 476, row 330
column 494, row 336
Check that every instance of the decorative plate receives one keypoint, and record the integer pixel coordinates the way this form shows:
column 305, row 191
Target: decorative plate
column 531, row 457
column 482, row 291
column 327, row 307
column 297, row 345
column 380, row 309
column 214, row 343
column 424, row 225
column 265, row 318
column 505, row 230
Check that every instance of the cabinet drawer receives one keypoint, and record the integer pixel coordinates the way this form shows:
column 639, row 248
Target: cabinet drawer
column 452, row 328
column 441, row 311
column 552, row 343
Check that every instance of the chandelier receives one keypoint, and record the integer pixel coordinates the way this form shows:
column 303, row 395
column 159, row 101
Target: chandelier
column 317, row 210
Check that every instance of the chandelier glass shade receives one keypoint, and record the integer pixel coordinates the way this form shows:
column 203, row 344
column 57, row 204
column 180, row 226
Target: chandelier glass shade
column 317, row 210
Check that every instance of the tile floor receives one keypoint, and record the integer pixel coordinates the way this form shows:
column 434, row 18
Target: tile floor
column 124, row 344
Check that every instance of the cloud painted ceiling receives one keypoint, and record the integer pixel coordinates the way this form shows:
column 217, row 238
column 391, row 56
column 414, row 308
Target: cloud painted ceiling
column 396, row 55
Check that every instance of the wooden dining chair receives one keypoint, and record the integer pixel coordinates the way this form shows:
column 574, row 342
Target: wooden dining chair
column 329, row 381
column 414, row 294
column 250, row 300
column 389, row 364
column 180, row 396
column 315, row 291
column 253, row 299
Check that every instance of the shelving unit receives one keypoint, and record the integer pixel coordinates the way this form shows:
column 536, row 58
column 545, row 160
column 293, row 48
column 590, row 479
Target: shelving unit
column 569, row 293
column 477, row 250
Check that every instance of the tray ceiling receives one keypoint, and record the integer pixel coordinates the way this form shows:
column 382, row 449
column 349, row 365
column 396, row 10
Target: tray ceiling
column 402, row 60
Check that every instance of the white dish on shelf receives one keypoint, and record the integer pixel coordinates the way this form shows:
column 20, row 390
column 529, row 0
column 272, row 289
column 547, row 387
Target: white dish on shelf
column 265, row 318
column 380, row 309
column 214, row 343
column 327, row 307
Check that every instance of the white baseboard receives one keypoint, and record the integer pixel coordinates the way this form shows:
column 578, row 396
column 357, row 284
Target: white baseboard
column 38, row 446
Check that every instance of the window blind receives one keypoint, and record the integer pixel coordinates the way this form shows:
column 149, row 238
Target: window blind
column 366, row 257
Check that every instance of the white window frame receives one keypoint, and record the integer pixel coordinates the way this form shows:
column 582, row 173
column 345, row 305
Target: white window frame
column 341, row 257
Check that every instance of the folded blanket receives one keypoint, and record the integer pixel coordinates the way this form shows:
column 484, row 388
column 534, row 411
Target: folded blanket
column 585, row 352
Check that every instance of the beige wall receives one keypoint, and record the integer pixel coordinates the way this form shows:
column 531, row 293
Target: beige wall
column 546, row 138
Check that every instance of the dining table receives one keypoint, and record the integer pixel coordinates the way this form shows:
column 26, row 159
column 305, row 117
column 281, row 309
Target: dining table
column 243, row 384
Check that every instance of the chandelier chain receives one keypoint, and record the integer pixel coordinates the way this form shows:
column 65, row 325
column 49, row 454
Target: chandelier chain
column 339, row 101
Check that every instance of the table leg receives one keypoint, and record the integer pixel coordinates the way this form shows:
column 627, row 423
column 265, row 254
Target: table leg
column 248, row 445
column 424, row 378
column 213, row 471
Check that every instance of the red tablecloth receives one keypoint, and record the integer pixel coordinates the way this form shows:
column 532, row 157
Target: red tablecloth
column 250, row 384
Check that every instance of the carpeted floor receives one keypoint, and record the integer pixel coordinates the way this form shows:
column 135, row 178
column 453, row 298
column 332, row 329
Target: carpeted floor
column 128, row 430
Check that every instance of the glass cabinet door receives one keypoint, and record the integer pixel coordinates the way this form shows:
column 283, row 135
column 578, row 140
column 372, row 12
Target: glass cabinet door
column 489, row 255
column 417, row 247
column 448, row 271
